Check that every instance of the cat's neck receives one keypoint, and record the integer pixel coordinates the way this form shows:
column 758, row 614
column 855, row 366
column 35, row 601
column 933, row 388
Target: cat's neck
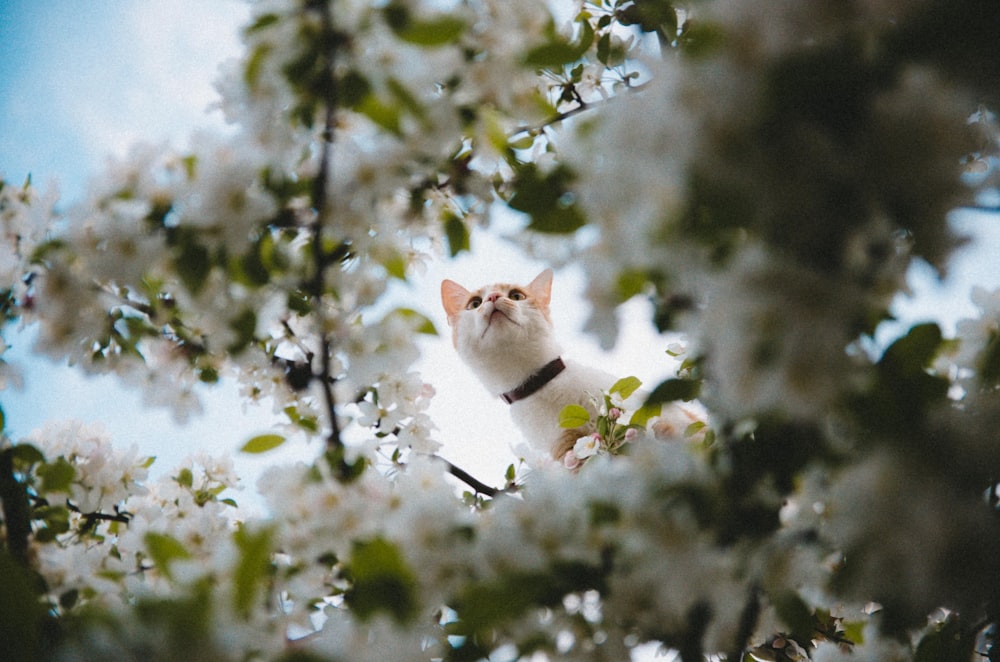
column 509, row 367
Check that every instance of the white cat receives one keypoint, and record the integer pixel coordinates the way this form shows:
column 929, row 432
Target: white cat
column 503, row 332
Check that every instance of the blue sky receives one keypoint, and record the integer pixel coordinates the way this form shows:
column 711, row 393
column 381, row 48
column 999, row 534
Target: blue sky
column 80, row 81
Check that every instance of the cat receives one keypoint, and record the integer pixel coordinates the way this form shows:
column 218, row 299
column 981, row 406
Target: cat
column 504, row 333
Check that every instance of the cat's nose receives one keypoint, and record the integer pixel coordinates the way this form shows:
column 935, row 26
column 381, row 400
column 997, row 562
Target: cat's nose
column 493, row 296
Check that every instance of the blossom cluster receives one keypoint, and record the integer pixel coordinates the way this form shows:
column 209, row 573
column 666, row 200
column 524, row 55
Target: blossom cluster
column 765, row 170
column 598, row 537
column 613, row 428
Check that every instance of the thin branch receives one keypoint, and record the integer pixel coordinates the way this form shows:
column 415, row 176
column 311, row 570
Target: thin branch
column 90, row 520
column 748, row 623
column 555, row 119
column 467, row 478
column 318, row 285
column 16, row 513
column 575, row 110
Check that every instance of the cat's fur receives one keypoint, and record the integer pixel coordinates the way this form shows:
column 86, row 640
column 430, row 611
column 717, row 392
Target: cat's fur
column 505, row 339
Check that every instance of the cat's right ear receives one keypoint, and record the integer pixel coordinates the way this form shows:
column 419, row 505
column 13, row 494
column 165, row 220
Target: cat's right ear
column 453, row 297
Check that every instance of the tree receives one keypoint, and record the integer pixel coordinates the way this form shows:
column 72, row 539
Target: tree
column 765, row 172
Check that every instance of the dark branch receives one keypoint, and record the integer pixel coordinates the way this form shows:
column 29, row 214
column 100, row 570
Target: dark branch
column 16, row 513
column 320, row 204
column 464, row 476
column 555, row 119
column 748, row 623
column 566, row 114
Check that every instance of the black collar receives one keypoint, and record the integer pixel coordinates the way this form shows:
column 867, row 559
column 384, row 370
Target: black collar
column 532, row 384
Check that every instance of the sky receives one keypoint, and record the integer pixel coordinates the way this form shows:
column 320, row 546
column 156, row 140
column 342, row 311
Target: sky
column 82, row 81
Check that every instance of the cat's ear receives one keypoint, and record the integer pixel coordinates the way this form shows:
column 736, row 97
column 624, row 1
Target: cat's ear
column 541, row 288
column 454, row 297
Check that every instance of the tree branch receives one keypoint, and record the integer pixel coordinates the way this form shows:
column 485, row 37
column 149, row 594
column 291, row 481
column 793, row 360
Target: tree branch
column 467, row 478
column 566, row 114
column 16, row 513
column 319, row 199
column 90, row 520
column 748, row 623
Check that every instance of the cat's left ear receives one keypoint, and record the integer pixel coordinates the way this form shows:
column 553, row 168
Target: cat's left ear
column 541, row 288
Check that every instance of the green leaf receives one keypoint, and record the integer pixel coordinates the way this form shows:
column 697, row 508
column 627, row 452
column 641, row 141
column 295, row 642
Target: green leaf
column 305, row 422
column 192, row 262
column 381, row 581
column 559, row 52
column 254, row 65
column 854, row 631
column 631, row 283
column 395, row 266
column 946, row 642
column 546, row 198
column 650, row 16
column 914, row 351
column 794, row 612
column 559, row 220
column 385, row 115
column 56, row 519
column 185, row 478
column 573, row 416
column 524, row 142
column 244, row 328
column 457, row 234
column 674, row 389
column 904, row 391
column 354, row 88
column 421, row 323
column 604, row 48
column 483, row 606
column 261, row 22
column 164, row 549
column 694, row 428
column 625, row 387
column 432, row 32
column 69, row 599
column 26, row 454
column 604, row 512
column 253, row 567
column 262, row 443
column 299, row 302
column 988, row 363
column 640, row 418
column 56, row 475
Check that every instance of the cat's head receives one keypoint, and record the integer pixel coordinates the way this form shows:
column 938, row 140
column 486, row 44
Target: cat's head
column 501, row 321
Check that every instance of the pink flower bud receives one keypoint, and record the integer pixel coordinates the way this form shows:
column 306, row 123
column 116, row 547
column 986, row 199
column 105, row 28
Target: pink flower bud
column 570, row 460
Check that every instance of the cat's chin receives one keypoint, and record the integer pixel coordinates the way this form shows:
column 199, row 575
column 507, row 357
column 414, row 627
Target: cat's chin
column 498, row 319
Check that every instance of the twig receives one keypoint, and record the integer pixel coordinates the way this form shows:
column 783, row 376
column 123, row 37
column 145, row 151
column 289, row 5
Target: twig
column 318, row 284
column 748, row 622
column 467, row 478
column 555, row 119
column 566, row 114
column 16, row 513
column 90, row 520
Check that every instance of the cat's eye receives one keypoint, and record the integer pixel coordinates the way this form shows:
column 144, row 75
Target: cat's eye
column 517, row 295
column 474, row 303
